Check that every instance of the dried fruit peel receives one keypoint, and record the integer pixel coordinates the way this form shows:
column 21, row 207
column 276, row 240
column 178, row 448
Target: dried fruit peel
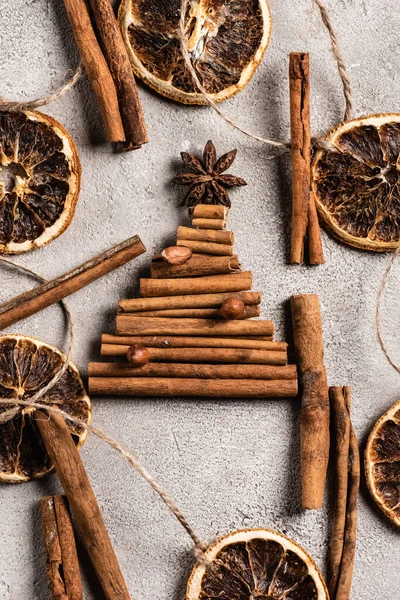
column 26, row 365
column 357, row 188
column 227, row 41
column 382, row 463
column 42, row 202
column 256, row 563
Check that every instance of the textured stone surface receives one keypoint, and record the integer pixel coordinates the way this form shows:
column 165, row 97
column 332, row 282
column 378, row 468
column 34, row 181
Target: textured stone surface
column 227, row 464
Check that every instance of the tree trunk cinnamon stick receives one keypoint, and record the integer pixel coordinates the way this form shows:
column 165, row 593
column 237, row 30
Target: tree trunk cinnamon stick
column 197, row 388
column 200, row 247
column 202, row 313
column 96, row 68
column 314, row 417
column 70, row 470
column 209, row 223
column 118, row 62
column 196, row 371
column 196, row 266
column 52, row 291
column 209, row 284
column 131, row 325
column 188, row 301
column 175, row 341
column 341, row 432
column 61, row 557
column 205, row 235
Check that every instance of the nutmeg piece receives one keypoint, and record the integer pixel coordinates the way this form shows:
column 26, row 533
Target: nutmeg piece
column 176, row 255
column 138, row 355
column 232, row 308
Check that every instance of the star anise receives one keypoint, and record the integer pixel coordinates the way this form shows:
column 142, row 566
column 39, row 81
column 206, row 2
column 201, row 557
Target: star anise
column 207, row 181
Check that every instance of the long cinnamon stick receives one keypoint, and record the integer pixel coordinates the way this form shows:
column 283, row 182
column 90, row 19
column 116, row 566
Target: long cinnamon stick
column 197, row 371
column 205, row 235
column 118, row 62
column 52, row 291
column 197, row 265
column 70, row 470
column 315, row 250
column 213, row 355
column 209, row 284
column 198, row 388
column 202, row 313
column 96, row 68
column 213, row 248
column 175, row 341
column 341, row 432
column 61, row 557
column 210, row 211
column 189, row 301
column 314, row 418
column 131, row 325
column 209, row 223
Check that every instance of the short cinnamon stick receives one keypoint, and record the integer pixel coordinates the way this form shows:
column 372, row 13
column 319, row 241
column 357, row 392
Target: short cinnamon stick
column 131, row 325
column 314, row 418
column 209, row 284
column 52, row 291
column 188, row 301
column 96, row 68
column 215, row 355
column 197, row 265
column 210, row 211
column 205, row 235
column 315, row 250
column 175, row 341
column 70, row 470
column 213, row 248
column 209, row 223
column 61, row 557
column 118, row 62
column 202, row 313
column 197, row 388
column 196, row 371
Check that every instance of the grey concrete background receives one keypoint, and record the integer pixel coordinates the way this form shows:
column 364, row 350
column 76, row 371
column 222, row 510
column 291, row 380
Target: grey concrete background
column 227, row 464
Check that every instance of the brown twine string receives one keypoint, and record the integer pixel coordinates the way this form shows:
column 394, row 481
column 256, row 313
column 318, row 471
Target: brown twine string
column 382, row 288
column 34, row 403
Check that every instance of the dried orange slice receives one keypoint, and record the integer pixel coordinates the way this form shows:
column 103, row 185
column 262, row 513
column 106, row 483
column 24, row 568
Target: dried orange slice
column 357, row 187
column 27, row 365
column 382, row 463
column 226, row 42
column 41, row 161
column 256, row 564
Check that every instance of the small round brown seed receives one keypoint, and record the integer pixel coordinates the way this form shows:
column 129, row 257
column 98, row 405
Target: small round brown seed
column 232, row 308
column 176, row 255
column 138, row 355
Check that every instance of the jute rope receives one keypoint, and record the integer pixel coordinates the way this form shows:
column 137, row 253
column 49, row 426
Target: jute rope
column 382, row 288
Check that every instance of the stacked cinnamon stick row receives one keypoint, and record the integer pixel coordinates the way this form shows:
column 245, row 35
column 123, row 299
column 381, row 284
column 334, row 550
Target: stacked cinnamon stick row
column 192, row 349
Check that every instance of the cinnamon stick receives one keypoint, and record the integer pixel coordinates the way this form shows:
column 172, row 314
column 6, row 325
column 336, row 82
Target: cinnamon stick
column 210, row 211
column 197, row 371
column 198, row 388
column 61, row 557
column 209, row 284
column 175, row 341
column 314, row 418
column 52, row 291
column 197, row 265
column 70, row 470
column 315, row 250
column 202, row 313
column 205, row 235
column 213, row 248
column 299, row 79
column 118, row 62
column 189, row 301
column 131, row 325
column 96, row 68
column 341, row 433
column 209, row 223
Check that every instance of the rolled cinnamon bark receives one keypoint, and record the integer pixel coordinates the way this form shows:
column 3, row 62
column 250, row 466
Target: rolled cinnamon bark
column 202, row 313
column 197, row 265
column 315, row 250
column 175, row 341
column 61, row 558
column 209, row 284
column 210, row 211
column 206, row 247
column 189, row 301
column 215, row 355
column 314, row 418
column 131, row 325
column 209, row 224
column 198, row 388
column 205, row 235
column 196, row 371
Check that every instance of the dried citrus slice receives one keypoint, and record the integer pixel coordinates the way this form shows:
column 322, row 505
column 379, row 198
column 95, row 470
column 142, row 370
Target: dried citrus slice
column 382, row 463
column 357, row 187
column 226, row 42
column 256, row 564
column 27, row 365
column 38, row 201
